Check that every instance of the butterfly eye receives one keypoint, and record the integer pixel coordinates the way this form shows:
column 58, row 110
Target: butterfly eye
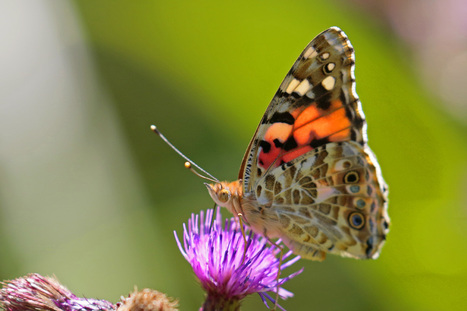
column 224, row 195
column 356, row 220
column 351, row 177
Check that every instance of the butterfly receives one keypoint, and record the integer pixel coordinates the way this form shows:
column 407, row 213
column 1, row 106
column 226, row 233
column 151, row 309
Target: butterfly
column 308, row 176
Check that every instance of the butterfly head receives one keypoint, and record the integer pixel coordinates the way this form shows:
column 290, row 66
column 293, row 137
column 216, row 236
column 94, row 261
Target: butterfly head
column 227, row 195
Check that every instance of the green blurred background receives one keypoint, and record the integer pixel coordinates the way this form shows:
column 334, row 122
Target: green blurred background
column 90, row 194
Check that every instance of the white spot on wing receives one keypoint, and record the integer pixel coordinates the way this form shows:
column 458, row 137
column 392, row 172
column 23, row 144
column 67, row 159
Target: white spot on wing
column 310, row 52
column 308, row 163
column 325, row 56
column 292, row 85
column 303, row 87
column 328, row 83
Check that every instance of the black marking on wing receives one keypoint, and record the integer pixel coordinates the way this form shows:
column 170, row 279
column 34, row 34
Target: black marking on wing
column 282, row 117
column 323, row 102
column 290, row 144
column 319, row 142
column 369, row 248
column 265, row 145
column 278, row 143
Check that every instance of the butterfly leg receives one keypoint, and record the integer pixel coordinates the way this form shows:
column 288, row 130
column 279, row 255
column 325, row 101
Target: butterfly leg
column 240, row 216
column 281, row 253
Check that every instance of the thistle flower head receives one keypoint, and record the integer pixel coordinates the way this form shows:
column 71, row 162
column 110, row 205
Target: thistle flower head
column 215, row 250
column 147, row 300
column 35, row 292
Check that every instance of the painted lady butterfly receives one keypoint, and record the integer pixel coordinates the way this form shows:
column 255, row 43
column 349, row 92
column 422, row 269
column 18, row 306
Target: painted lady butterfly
column 308, row 175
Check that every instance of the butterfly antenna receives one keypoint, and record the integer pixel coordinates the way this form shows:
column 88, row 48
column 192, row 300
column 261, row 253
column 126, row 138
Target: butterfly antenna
column 188, row 166
column 189, row 163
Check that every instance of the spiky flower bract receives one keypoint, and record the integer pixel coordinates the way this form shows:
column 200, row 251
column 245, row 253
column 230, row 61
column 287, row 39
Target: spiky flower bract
column 215, row 249
column 35, row 292
column 147, row 300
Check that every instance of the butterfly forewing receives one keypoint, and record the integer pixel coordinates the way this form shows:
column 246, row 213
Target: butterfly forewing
column 315, row 104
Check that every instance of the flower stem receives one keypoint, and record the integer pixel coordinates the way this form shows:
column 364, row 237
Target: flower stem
column 215, row 302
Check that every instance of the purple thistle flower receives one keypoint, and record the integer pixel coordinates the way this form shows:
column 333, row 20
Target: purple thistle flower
column 216, row 254
column 37, row 293
column 84, row 304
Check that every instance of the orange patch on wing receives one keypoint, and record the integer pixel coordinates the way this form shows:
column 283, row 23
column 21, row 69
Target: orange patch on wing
column 295, row 153
column 340, row 136
column 309, row 114
column 296, row 113
column 266, row 159
column 304, row 134
column 312, row 124
column 280, row 131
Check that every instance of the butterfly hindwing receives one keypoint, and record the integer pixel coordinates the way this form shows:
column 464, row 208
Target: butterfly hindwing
column 328, row 200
